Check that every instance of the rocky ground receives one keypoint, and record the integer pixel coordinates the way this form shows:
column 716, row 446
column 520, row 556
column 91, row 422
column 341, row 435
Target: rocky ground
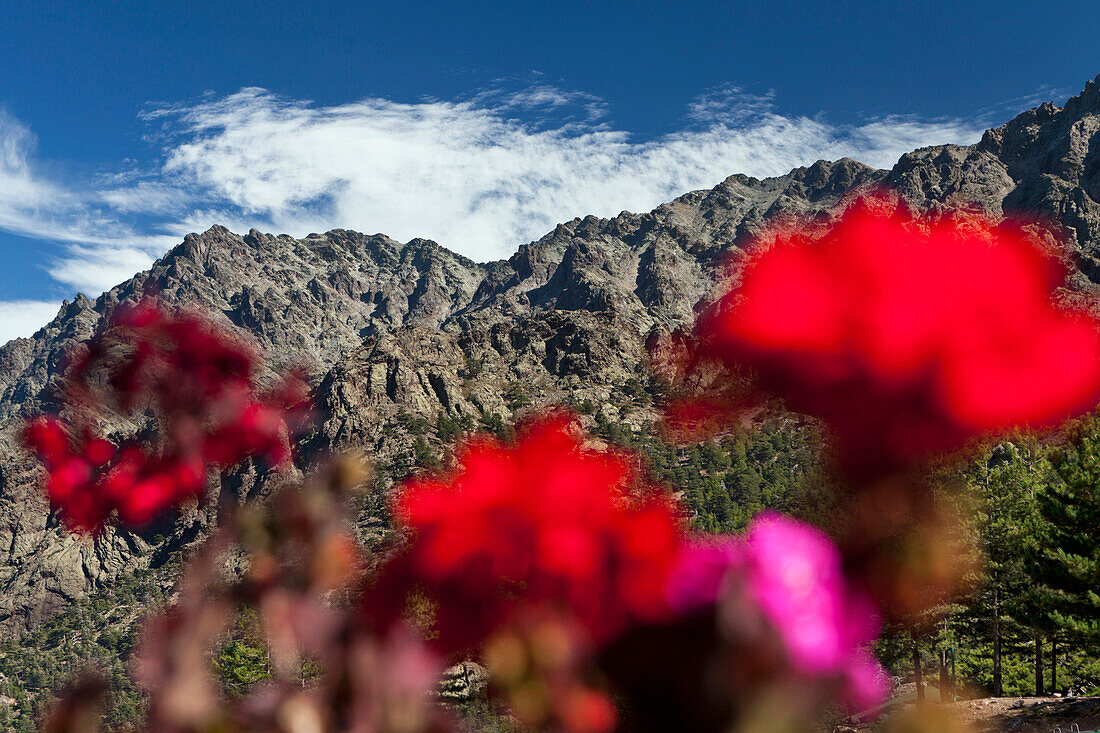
column 1030, row 713
column 995, row 714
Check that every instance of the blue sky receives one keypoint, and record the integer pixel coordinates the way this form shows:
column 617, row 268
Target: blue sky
column 125, row 124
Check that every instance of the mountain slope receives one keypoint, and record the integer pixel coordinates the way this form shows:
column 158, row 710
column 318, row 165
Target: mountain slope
column 392, row 331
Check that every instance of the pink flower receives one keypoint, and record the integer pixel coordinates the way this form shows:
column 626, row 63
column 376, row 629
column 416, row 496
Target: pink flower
column 866, row 683
column 795, row 576
column 201, row 381
column 792, row 573
column 881, row 328
column 547, row 522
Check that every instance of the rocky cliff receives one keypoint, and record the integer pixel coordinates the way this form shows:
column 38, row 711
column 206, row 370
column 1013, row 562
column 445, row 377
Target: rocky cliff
column 399, row 335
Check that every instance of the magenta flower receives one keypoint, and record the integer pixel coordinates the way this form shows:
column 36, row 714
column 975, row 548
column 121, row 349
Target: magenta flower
column 792, row 573
column 795, row 575
column 866, row 683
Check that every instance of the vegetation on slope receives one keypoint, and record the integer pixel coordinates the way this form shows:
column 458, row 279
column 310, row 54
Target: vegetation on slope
column 1029, row 504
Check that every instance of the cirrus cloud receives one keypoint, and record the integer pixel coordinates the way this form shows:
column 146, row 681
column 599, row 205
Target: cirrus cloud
column 481, row 180
column 480, row 175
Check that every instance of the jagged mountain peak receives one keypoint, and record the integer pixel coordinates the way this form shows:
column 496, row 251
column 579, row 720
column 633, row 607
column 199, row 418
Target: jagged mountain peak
column 1088, row 101
column 1051, row 140
column 389, row 327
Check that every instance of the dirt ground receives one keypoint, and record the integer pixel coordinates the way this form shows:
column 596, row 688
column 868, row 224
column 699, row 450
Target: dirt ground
column 1029, row 713
column 1016, row 714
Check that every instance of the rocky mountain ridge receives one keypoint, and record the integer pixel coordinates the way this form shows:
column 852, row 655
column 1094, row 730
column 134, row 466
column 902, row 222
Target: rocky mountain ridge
column 391, row 332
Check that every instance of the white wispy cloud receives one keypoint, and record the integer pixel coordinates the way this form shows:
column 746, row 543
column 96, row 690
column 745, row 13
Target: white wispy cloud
column 729, row 104
column 480, row 176
column 478, row 179
column 21, row 318
column 28, row 204
column 94, row 269
column 101, row 249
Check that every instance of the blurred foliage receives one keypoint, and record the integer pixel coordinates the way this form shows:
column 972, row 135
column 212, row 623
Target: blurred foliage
column 481, row 715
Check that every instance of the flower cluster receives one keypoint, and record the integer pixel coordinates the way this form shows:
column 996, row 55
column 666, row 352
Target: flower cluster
column 543, row 535
column 199, row 380
column 301, row 553
column 791, row 572
column 909, row 336
column 88, row 478
column 546, row 522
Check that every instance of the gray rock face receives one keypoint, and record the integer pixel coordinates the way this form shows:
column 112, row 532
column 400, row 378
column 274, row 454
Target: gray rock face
column 1044, row 163
column 388, row 329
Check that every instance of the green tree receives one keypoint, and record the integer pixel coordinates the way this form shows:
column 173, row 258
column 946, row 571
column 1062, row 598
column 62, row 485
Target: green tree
column 241, row 665
column 243, row 659
column 422, row 454
column 1066, row 563
column 1008, row 488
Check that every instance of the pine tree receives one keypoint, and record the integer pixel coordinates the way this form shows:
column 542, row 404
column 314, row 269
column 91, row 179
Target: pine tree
column 1066, row 565
column 1008, row 614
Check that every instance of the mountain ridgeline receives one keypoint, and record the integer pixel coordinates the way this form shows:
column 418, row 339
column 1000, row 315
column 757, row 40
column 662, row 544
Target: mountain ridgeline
column 400, row 336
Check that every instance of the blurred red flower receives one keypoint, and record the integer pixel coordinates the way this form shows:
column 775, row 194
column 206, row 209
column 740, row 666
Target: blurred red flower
column 544, row 522
column 199, row 379
column 909, row 336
